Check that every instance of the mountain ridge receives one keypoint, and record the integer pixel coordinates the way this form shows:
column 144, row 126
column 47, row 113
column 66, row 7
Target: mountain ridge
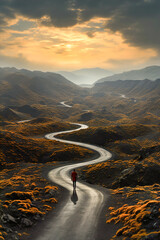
column 132, row 88
column 20, row 87
column 150, row 72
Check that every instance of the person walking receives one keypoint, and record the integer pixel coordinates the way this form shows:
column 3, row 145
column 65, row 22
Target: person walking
column 74, row 178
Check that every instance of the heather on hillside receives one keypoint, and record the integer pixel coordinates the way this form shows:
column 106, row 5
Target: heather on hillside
column 138, row 212
column 26, row 197
column 16, row 146
column 123, row 117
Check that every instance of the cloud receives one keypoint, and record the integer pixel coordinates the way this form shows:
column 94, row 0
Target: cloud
column 90, row 34
column 57, row 12
column 22, row 25
column 18, row 61
column 137, row 21
column 6, row 14
column 120, row 61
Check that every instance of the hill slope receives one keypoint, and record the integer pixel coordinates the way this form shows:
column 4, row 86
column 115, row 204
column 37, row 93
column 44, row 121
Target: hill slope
column 152, row 73
column 19, row 87
column 131, row 88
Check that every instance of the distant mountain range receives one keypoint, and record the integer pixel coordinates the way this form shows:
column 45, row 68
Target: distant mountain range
column 20, row 87
column 130, row 88
column 151, row 73
column 86, row 76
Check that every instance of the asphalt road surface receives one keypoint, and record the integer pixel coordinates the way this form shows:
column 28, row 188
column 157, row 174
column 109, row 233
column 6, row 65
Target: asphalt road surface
column 65, row 105
column 78, row 217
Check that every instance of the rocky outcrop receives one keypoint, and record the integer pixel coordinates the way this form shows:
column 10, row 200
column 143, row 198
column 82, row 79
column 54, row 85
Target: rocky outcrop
column 145, row 152
column 138, row 175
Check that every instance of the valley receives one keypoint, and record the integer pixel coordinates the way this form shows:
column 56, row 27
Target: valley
column 128, row 127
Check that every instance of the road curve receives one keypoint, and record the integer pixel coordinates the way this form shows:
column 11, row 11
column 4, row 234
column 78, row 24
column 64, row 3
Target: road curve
column 23, row 121
column 65, row 105
column 78, row 218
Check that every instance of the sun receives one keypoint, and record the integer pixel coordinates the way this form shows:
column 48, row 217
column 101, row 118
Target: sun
column 68, row 46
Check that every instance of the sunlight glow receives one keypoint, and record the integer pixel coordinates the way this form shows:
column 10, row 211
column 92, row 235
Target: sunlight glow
column 51, row 48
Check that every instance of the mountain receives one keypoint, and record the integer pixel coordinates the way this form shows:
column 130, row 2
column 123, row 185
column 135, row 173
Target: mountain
column 20, row 87
column 130, row 88
column 86, row 75
column 8, row 114
column 152, row 73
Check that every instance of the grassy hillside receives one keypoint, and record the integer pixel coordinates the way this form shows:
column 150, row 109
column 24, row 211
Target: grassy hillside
column 123, row 117
column 20, row 142
column 137, row 212
column 131, row 88
column 136, row 152
column 104, row 135
column 25, row 87
column 133, row 174
column 151, row 72
column 26, row 196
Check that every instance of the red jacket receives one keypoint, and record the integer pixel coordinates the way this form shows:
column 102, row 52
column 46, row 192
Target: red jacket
column 74, row 176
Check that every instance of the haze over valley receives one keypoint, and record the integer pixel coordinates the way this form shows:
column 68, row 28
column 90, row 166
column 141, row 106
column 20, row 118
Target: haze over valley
column 86, row 76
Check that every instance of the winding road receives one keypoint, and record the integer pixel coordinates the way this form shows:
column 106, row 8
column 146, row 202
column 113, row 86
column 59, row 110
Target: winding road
column 78, row 217
column 65, row 105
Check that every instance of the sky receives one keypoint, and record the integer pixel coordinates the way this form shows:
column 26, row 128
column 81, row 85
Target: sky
column 53, row 35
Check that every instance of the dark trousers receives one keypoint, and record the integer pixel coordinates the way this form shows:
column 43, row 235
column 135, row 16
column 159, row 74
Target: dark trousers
column 74, row 184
